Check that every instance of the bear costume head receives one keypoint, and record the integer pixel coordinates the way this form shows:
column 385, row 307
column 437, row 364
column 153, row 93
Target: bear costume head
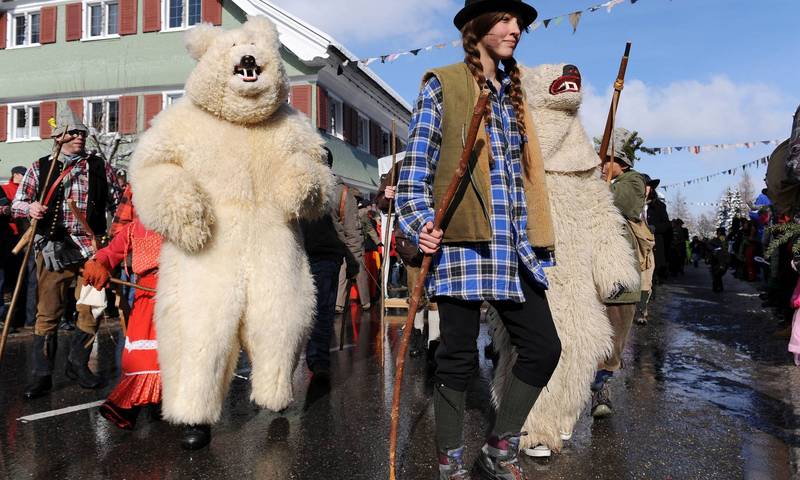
column 553, row 94
column 239, row 75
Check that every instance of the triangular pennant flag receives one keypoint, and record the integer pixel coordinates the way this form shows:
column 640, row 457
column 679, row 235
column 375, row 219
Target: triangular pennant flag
column 415, row 51
column 383, row 58
column 574, row 19
column 611, row 4
column 558, row 20
column 546, row 22
column 535, row 25
column 678, row 149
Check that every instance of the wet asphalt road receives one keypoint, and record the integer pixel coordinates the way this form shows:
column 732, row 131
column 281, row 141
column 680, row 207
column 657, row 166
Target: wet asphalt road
column 707, row 393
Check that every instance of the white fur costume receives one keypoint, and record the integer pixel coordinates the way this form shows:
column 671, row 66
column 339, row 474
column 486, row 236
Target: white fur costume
column 223, row 175
column 591, row 253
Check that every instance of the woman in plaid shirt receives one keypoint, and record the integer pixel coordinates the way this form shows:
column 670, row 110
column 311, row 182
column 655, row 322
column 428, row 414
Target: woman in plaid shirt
column 471, row 265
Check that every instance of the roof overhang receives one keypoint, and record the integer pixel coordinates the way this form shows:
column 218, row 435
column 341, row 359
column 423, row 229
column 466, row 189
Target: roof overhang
column 311, row 45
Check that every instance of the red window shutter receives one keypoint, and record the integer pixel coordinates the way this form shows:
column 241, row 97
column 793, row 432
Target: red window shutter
column 74, row 21
column 152, row 105
column 301, row 98
column 48, row 25
column 128, row 17
column 322, row 108
column 212, row 11
column 151, row 20
column 127, row 114
column 3, row 122
column 76, row 106
column 47, row 110
column 3, row 22
column 347, row 123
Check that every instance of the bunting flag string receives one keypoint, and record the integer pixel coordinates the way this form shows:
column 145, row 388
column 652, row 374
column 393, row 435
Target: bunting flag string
column 697, row 149
column 707, row 178
column 573, row 18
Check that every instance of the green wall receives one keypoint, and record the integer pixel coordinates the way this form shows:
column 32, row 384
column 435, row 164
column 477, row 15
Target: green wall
column 132, row 64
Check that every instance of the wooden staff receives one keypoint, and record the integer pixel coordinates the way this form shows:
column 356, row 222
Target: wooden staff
column 387, row 237
column 29, row 246
column 444, row 205
column 619, row 84
column 345, row 312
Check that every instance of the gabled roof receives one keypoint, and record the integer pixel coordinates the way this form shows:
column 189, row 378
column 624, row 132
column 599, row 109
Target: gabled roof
column 309, row 43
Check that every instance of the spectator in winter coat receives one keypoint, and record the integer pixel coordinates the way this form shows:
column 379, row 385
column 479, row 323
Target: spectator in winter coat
column 9, row 236
column 324, row 241
column 660, row 225
column 345, row 214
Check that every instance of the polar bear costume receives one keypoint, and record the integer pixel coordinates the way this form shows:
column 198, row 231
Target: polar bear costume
column 593, row 257
column 223, row 175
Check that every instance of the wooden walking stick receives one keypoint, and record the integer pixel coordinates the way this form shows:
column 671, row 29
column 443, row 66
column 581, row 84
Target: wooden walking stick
column 29, row 245
column 443, row 207
column 387, row 236
column 619, row 84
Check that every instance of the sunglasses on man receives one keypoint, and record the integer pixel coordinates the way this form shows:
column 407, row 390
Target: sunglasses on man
column 76, row 133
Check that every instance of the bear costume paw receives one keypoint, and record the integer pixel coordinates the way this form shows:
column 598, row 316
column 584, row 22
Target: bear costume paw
column 185, row 219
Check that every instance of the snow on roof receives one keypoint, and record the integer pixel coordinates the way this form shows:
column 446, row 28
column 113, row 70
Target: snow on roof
column 308, row 42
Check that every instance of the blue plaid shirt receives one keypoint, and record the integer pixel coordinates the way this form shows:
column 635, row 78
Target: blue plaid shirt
column 477, row 271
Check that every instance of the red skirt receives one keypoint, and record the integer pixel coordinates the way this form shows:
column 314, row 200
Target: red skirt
column 141, row 376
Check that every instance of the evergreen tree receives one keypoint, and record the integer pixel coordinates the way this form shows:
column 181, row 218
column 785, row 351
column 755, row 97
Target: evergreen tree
column 730, row 206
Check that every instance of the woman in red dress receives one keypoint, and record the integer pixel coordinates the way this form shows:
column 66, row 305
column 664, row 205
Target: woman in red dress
column 140, row 384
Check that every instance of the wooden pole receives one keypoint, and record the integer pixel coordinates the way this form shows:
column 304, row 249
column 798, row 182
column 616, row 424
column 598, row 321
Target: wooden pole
column 29, row 246
column 619, row 84
column 443, row 207
column 387, row 236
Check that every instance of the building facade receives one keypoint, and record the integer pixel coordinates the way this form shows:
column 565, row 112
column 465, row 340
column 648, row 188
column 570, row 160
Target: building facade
column 117, row 63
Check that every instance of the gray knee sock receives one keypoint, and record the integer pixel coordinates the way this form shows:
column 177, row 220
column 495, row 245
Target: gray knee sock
column 448, row 407
column 518, row 399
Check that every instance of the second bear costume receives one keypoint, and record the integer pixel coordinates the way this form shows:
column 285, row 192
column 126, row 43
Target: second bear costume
column 594, row 260
column 223, row 175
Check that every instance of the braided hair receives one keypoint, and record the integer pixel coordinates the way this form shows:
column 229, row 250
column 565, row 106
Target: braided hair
column 471, row 34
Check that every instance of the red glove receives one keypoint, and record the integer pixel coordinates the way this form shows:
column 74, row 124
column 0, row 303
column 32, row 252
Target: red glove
column 95, row 274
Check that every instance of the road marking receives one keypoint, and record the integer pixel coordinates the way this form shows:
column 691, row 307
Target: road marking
column 60, row 411
column 86, row 406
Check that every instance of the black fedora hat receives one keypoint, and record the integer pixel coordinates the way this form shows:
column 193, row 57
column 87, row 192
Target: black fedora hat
column 651, row 182
column 473, row 8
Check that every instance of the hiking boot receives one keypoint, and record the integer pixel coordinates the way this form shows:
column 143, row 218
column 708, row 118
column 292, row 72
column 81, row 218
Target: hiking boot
column 499, row 458
column 601, row 403
column 451, row 465
column 78, row 361
column 196, row 437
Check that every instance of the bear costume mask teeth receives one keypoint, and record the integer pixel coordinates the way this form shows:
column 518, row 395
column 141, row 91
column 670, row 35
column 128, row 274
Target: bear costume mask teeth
column 570, row 81
column 247, row 74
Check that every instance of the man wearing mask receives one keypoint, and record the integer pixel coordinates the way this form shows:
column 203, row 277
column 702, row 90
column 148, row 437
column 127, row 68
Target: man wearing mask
column 62, row 245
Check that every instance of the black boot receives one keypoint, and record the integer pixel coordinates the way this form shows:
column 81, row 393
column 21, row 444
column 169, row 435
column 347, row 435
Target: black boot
column 417, row 343
column 43, row 354
column 78, row 361
column 196, row 437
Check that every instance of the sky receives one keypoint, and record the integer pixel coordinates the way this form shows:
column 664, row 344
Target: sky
column 700, row 72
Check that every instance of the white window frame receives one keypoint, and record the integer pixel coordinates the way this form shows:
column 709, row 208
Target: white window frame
column 11, row 28
column 87, row 114
column 185, row 21
column 363, row 118
column 170, row 97
column 336, row 128
column 11, row 133
column 87, row 4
